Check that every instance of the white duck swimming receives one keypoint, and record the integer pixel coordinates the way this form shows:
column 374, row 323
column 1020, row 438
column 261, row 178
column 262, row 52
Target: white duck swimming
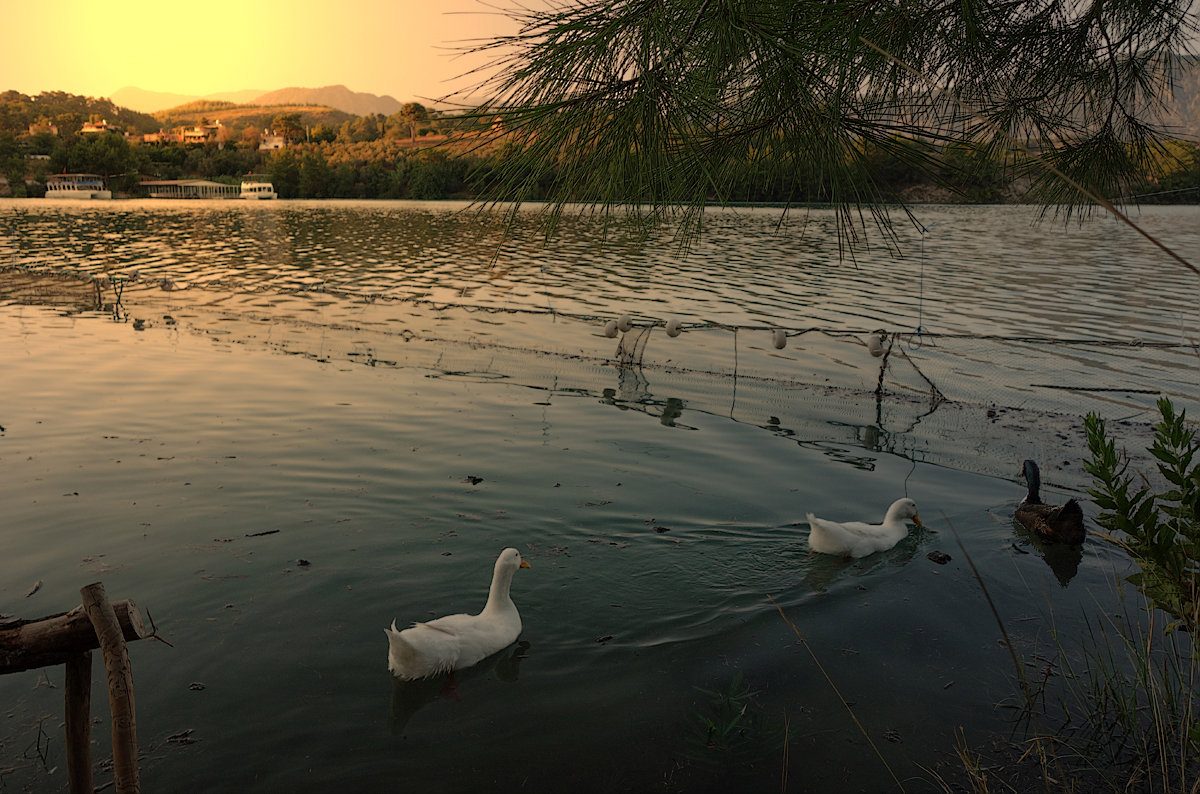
column 457, row 641
column 858, row 539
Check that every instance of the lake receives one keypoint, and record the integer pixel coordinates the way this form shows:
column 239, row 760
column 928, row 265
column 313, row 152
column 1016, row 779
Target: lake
column 278, row 426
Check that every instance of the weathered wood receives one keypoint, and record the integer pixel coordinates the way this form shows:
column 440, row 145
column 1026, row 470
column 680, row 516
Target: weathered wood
column 56, row 639
column 120, row 687
column 79, row 723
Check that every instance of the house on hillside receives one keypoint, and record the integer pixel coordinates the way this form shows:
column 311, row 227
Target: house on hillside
column 269, row 141
column 96, row 127
column 43, row 128
column 202, row 133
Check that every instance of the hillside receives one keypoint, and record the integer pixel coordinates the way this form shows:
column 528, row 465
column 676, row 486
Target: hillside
column 1183, row 107
column 334, row 96
column 257, row 115
column 67, row 111
column 154, row 101
column 338, row 97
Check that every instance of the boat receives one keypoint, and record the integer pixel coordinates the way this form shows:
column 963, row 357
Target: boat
column 76, row 186
column 258, row 190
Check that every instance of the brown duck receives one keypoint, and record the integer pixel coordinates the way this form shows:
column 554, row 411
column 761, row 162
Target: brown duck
column 1054, row 523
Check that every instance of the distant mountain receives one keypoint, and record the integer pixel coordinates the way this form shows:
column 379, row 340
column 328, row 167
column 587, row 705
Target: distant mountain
column 153, row 101
column 338, row 97
column 1182, row 113
column 333, row 96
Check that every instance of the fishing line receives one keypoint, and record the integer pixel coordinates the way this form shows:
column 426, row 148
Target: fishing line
column 910, row 473
column 918, row 342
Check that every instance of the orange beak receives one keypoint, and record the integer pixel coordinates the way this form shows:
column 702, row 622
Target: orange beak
column 917, row 520
column 525, row 564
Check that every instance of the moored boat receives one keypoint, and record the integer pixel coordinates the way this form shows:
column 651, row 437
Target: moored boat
column 77, row 186
column 258, row 190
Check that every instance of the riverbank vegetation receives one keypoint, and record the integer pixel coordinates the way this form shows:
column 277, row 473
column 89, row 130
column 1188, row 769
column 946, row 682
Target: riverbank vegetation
column 439, row 166
column 418, row 154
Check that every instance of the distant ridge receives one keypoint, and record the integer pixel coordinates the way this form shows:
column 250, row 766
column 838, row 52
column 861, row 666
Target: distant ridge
column 152, row 101
column 338, row 97
column 334, row 96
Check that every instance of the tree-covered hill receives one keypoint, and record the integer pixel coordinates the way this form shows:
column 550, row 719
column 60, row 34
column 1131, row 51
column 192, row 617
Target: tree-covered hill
column 240, row 116
column 66, row 111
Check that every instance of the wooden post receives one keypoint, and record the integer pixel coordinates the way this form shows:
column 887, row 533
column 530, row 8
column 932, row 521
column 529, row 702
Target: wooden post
column 42, row 642
column 120, row 687
column 79, row 723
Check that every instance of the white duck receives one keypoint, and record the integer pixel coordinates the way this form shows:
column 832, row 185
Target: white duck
column 454, row 642
column 858, row 539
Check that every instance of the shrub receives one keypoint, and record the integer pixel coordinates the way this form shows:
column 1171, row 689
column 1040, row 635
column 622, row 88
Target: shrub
column 1160, row 530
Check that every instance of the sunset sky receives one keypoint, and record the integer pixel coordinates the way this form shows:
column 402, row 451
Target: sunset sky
column 404, row 48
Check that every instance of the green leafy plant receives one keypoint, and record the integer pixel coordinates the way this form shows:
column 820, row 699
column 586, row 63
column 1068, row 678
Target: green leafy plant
column 1160, row 530
column 732, row 730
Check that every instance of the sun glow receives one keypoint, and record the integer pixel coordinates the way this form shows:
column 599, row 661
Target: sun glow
column 403, row 49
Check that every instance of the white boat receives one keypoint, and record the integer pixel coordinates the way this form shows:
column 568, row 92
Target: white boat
column 258, row 190
column 76, row 186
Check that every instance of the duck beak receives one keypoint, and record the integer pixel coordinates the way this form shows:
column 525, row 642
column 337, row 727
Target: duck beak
column 917, row 521
column 524, row 564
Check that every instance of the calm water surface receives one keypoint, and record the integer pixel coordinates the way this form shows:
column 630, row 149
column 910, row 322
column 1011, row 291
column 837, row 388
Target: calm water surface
column 180, row 378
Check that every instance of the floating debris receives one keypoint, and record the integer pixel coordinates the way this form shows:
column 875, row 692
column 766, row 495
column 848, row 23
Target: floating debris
column 940, row 557
column 673, row 328
column 260, row 534
column 610, row 329
column 779, row 338
column 875, row 342
column 474, row 480
column 36, row 586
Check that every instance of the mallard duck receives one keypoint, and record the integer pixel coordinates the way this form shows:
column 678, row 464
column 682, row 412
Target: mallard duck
column 858, row 539
column 1056, row 523
column 454, row 642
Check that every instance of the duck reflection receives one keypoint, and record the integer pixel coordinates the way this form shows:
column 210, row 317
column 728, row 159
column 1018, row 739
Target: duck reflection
column 1063, row 558
column 410, row 696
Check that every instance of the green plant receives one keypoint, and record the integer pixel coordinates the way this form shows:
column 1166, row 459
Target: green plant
column 732, row 721
column 1160, row 530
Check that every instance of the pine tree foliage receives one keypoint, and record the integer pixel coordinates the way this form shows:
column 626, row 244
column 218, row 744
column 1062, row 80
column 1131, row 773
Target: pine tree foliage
column 660, row 105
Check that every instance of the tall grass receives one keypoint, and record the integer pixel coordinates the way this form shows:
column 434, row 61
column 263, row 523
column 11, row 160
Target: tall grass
column 1130, row 696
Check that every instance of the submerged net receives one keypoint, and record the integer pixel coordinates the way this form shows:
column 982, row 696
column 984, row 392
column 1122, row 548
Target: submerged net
column 986, row 345
column 979, row 402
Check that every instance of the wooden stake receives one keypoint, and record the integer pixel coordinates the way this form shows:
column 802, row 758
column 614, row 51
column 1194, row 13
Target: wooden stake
column 30, row 644
column 120, row 687
column 79, row 723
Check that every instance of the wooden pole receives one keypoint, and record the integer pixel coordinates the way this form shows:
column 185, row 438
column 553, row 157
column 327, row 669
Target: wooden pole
column 120, row 687
column 79, row 723
column 30, row 644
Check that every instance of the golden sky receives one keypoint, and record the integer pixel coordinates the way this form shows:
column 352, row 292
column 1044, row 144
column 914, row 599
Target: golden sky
column 405, row 48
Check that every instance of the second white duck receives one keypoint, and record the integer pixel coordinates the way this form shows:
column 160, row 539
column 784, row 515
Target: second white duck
column 458, row 641
column 857, row 538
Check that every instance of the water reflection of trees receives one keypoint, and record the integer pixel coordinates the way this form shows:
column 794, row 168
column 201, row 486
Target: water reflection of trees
column 68, row 293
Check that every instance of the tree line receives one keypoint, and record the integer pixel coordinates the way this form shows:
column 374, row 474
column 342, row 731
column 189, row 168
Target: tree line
column 373, row 157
